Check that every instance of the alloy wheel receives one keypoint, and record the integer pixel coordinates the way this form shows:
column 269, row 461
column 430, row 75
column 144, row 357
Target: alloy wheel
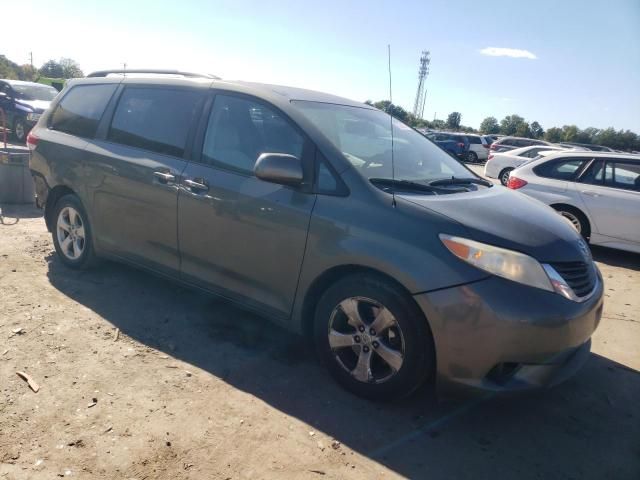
column 366, row 339
column 575, row 221
column 71, row 233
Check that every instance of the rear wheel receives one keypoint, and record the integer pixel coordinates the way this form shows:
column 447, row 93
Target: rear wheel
column 472, row 157
column 577, row 219
column 373, row 338
column 72, row 233
column 504, row 176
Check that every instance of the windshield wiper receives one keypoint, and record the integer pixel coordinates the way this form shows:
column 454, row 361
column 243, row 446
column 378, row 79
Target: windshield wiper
column 460, row 181
column 406, row 185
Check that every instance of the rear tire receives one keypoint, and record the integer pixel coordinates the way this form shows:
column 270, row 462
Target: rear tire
column 72, row 235
column 577, row 219
column 379, row 365
column 504, row 176
column 472, row 157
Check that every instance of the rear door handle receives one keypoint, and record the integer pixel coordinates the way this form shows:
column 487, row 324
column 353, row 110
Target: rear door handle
column 198, row 184
column 164, row 177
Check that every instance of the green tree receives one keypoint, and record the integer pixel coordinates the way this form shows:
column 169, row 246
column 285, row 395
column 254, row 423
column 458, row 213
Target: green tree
column 511, row 123
column 569, row 133
column 70, row 68
column 52, row 69
column 490, row 125
column 553, row 134
column 536, row 130
column 523, row 130
column 453, row 120
column 438, row 124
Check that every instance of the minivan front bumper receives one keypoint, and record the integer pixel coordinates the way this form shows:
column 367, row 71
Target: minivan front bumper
column 498, row 335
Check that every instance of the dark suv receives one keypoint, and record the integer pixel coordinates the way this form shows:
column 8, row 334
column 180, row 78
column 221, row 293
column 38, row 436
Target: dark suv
column 23, row 103
column 398, row 262
column 505, row 144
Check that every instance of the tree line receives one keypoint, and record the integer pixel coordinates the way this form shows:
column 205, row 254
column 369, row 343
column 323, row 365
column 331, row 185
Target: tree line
column 63, row 68
column 515, row 125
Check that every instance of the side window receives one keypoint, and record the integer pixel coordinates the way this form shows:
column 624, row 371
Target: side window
column 624, row 175
column 474, row 140
column 532, row 152
column 593, row 175
column 80, row 110
column 155, row 119
column 240, row 130
column 560, row 169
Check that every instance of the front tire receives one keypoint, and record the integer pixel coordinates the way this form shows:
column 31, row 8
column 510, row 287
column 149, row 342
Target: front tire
column 20, row 130
column 373, row 338
column 72, row 235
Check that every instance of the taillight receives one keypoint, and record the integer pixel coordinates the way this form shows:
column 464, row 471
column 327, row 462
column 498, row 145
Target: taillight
column 461, row 144
column 515, row 183
column 485, row 145
column 490, row 156
column 493, row 146
column 32, row 140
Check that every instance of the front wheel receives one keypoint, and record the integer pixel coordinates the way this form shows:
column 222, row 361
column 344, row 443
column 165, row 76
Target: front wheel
column 373, row 338
column 72, row 233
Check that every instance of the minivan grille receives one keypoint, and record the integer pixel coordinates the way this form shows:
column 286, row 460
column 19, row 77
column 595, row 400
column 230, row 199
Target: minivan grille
column 580, row 276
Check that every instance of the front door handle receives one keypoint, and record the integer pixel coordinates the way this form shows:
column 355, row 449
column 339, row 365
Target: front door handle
column 164, row 177
column 590, row 193
column 198, row 184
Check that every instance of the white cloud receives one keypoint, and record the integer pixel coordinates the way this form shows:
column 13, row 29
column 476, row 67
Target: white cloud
column 507, row 52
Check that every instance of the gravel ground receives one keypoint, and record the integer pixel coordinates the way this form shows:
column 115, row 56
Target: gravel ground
column 141, row 378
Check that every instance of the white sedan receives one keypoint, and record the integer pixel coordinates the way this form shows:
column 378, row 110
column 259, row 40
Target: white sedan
column 598, row 192
column 500, row 164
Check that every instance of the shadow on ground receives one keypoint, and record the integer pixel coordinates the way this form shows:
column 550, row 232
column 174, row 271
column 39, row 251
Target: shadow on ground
column 616, row 258
column 10, row 214
column 587, row 428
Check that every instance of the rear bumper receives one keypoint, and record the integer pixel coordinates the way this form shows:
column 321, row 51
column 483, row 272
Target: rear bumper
column 499, row 336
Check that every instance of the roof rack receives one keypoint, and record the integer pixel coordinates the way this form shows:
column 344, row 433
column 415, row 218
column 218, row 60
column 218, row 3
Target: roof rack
column 104, row 73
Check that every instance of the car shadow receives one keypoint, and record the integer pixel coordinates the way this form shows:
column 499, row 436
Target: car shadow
column 616, row 258
column 10, row 214
column 586, row 428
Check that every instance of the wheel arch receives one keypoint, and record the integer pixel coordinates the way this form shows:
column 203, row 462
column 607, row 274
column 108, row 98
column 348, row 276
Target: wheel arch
column 54, row 195
column 332, row 275
column 569, row 206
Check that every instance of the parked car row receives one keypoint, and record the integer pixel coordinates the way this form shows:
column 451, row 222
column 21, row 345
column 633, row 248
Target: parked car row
column 465, row 146
column 598, row 192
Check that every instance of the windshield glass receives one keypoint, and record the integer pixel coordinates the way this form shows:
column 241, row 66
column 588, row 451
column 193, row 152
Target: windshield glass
column 363, row 135
column 35, row 92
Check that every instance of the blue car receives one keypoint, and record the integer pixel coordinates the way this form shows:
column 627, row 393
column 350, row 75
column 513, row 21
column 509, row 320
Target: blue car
column 23, row 103
column 453, row 143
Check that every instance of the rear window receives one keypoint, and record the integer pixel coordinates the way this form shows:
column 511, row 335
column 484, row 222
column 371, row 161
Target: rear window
column 155, row 119
column 80, row 110
column 562, row 169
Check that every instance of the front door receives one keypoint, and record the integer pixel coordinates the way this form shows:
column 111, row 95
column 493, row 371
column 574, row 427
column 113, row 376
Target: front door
column 134, row 171
column 240, row 236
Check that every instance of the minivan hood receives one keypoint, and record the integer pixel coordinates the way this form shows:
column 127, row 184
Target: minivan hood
column 37, row 106
column 508, row 219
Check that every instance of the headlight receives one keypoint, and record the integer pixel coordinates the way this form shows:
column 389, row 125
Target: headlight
column 504, row 263
column 33, row 117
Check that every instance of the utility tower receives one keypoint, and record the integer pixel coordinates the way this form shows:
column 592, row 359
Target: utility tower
column 421, row 94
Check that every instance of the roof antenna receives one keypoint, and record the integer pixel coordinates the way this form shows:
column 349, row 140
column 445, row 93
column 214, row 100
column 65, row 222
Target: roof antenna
column 393, row 170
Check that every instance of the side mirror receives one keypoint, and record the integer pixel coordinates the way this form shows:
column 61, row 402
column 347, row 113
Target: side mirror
column 279, row 168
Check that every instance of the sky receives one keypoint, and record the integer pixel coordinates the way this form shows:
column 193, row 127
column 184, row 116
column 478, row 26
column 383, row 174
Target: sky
column 555, row 61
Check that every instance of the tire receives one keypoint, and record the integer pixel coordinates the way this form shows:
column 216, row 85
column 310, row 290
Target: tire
column 577, row 219
column 472, row 157
column 404, row 338
column 72, row 236
column 504, row 176
column 20, row 130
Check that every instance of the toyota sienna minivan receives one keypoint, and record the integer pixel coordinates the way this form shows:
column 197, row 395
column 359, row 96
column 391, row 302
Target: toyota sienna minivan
column 325, row 216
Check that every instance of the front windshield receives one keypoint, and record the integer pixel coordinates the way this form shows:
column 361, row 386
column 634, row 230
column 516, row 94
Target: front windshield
column 35, row 92
column 363, row 135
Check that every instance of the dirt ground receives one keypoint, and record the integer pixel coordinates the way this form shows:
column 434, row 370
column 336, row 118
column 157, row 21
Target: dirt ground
column 191, row 388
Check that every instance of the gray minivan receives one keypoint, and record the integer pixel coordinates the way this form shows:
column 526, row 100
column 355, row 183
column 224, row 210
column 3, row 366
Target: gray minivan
column 325, row 216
